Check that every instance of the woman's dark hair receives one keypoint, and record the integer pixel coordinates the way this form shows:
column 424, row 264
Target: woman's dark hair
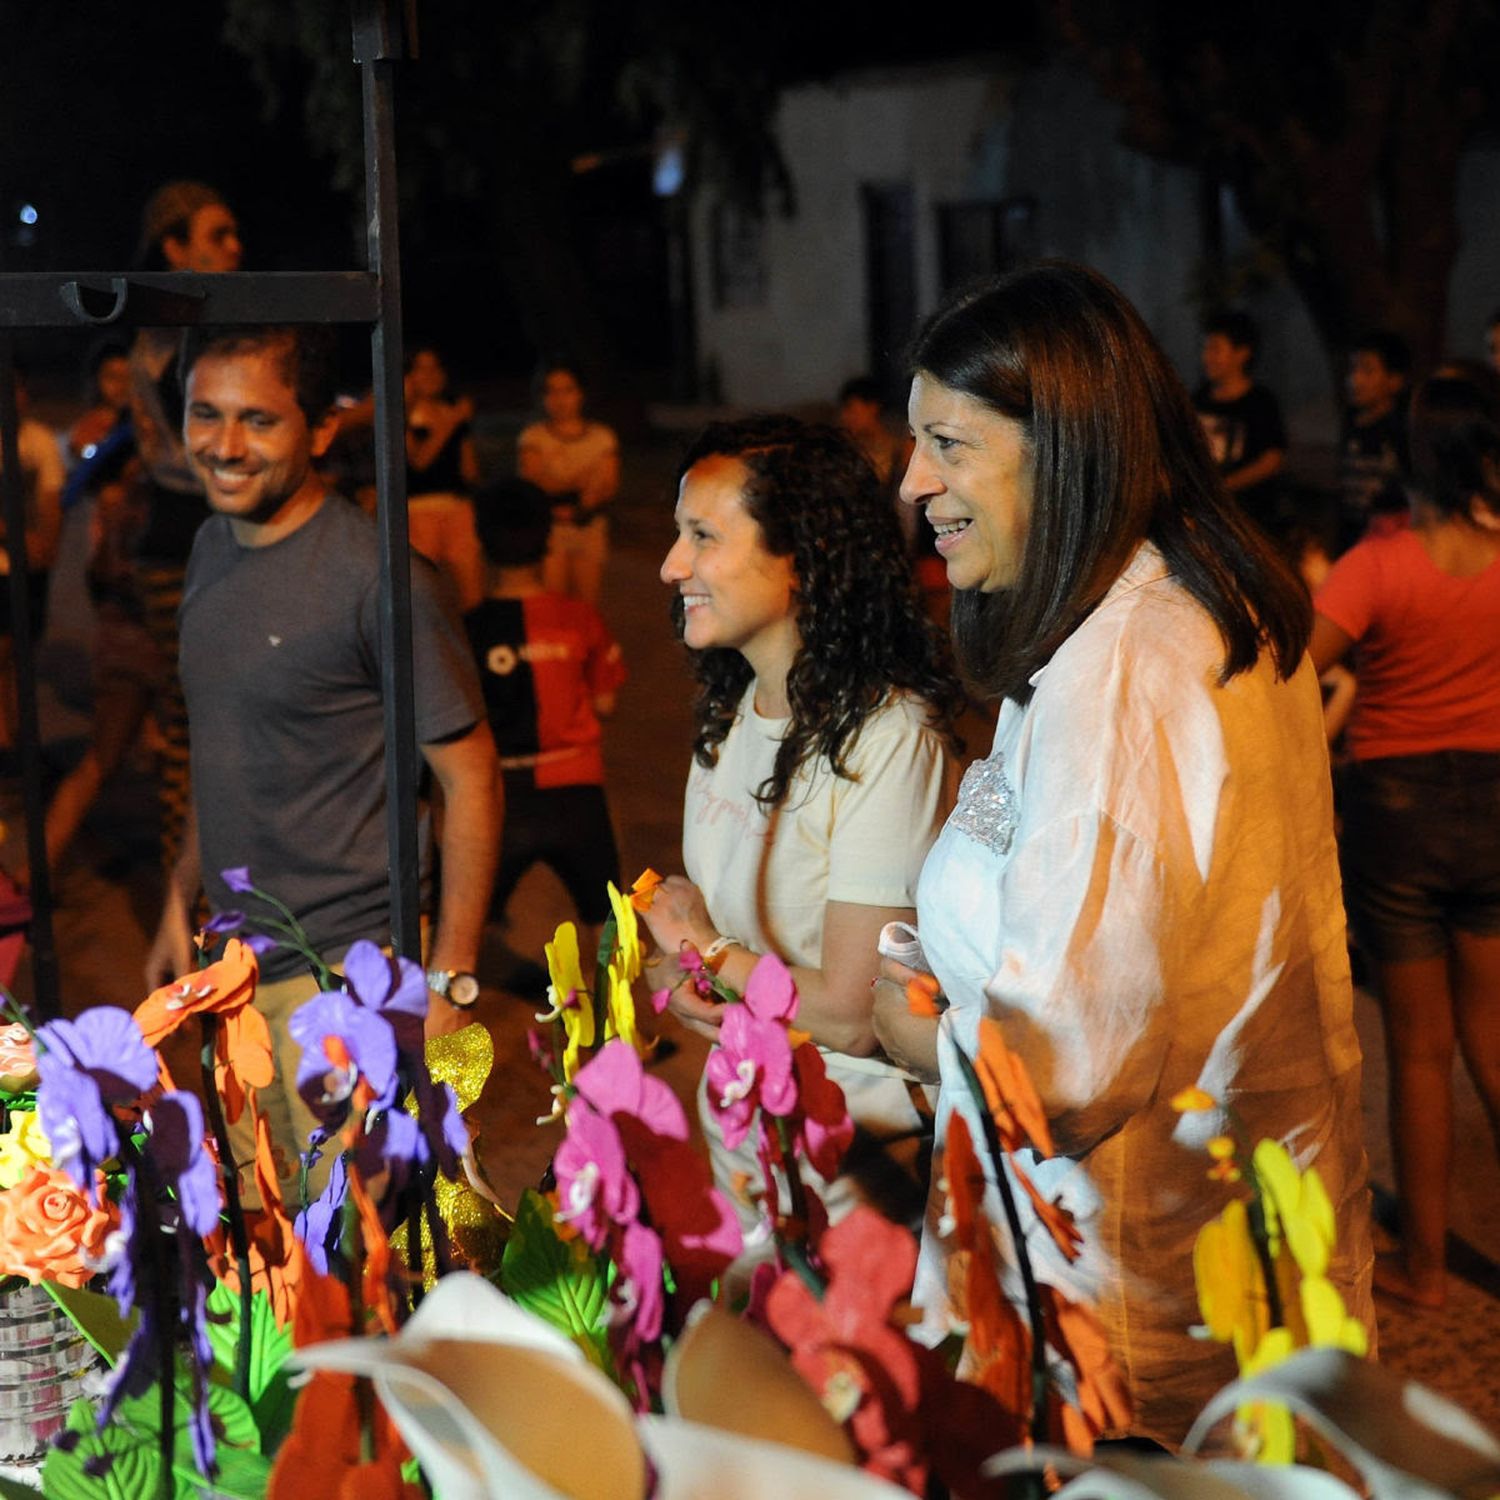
column 1455, row 438
column 1117, row 458
column 862, row 628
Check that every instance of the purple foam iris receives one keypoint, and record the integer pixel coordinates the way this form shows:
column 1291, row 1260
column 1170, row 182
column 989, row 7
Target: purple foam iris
column 83, row 1066
column 400, row 995
column 176, row 1147
column 318, row 1224
column 367, row 1037
column 238, row 879
column 393, row 1143
column 225, row 921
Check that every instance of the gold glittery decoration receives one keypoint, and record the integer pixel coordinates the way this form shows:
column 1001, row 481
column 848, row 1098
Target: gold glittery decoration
column 476, row 1228
column 464, row 1059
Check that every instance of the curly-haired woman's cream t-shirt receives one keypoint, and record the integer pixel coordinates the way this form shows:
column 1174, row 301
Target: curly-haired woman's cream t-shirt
column 767, row 877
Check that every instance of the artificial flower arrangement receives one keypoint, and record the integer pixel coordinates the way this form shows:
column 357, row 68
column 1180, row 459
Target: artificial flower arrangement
column 634, row 1232
column 615, row 1314
column 205, row 1300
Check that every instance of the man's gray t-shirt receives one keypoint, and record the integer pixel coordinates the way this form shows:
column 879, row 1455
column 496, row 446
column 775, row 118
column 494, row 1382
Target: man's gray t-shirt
column 281, row 667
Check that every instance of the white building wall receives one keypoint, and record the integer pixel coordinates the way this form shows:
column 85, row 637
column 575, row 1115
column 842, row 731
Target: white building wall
column 971, row 133
column 810, row 336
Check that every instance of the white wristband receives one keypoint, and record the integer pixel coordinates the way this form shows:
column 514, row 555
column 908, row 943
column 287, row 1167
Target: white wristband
column 718, row 945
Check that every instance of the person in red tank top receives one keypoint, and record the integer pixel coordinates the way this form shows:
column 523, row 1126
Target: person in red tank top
column 1420, row 610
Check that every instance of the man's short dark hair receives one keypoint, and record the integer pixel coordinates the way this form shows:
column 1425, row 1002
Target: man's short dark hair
column 168, row 214
column 1238, row 327
column 306, row 353
column 513, row 518
column 1389, row 348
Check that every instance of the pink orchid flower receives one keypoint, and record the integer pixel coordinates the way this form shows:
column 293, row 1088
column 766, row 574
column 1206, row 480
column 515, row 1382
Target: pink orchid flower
column 616, row 1083
column 594, row 1185
column 640, row 1301
column 698, row 1228
column 750, row 1070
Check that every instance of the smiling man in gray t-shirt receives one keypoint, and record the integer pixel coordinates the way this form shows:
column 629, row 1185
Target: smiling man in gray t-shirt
column 281, row 666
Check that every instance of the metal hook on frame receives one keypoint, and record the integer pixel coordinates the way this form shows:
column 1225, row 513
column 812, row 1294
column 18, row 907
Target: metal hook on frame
column 76, row 296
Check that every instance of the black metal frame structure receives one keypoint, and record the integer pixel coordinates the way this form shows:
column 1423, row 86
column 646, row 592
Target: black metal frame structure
column 384, row 33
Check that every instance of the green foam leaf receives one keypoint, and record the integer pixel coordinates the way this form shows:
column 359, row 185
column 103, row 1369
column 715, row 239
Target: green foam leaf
column 557, row 1280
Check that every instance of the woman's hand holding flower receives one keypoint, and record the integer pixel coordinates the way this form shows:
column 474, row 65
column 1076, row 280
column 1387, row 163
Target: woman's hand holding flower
column 908, row 1031
column 678, row 919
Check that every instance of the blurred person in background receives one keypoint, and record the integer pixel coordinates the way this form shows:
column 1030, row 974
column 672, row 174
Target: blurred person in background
column 575, row 462
column 1241, row 418
column 42, row 478
column 1419, row 610
column 1374, row 455
column 441, row 473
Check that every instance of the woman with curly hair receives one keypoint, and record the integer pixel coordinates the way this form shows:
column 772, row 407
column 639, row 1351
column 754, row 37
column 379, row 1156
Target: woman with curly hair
column 822, row 763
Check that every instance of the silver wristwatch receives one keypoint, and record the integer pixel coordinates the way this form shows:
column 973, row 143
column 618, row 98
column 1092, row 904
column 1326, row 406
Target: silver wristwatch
column 454, row 985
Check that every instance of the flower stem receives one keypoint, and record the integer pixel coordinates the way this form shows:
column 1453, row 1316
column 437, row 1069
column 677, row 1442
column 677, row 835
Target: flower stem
column 239, row 1239
column 352, row 1245
column 161, row 1291
column 796, row 1191
column 1018, row 1239
column 1260, row 1237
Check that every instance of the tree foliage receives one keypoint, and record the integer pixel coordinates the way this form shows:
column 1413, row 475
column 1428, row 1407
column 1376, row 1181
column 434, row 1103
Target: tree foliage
column 503, row 99
column 1338, row 126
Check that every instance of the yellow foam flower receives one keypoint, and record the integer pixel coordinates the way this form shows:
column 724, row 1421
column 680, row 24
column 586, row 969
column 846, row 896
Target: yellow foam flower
column 619, row 1017
column 1297, row 1208
column 23, row 1147
column 627, row 934
column 569, row 996
column 1264, row 1430
column 1192, row 1099
column 1329, row 1325
column 1231, row 1286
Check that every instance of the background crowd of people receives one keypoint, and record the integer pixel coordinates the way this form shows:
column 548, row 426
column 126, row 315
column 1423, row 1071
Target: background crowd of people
column 1139, row 877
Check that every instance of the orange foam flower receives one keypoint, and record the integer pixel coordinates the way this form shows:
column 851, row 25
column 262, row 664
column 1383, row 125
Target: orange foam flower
column 377, row 1245
column 277, row 1260
column 1010, row 1093
column 643, row 890
column 997, row 1352
column 1103, row 1396
column 226, row 989
column 1053, row 1217
column 49, row 1231
column 921, row 996
column 322, row 1453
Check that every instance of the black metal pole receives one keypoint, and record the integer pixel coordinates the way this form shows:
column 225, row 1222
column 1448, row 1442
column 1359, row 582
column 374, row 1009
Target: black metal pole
column 377, row 45
column 44, row 974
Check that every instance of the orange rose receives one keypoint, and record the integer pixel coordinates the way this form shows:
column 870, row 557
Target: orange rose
column 48, row 1230
column 17, row 1059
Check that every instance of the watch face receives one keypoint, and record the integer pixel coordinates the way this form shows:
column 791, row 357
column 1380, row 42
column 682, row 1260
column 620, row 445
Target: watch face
column 463, row 990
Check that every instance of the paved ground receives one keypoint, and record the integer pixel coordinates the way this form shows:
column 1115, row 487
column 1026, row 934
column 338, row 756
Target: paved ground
column 109, row 894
